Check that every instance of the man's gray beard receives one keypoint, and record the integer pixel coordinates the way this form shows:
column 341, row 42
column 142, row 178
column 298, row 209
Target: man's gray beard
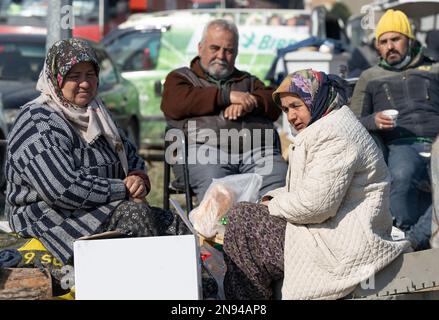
column 218, row 75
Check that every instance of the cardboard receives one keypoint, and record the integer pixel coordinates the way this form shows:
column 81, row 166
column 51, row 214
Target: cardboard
column 153, row 268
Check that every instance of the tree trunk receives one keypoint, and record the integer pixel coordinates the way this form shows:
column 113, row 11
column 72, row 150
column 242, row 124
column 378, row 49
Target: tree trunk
column 25, row 284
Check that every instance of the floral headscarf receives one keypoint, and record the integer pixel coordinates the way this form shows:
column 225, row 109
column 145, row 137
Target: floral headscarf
column 91, row 121
column 320, row 92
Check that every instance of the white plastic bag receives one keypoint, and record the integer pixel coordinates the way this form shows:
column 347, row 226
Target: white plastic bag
column 221, row 195
column 245, row 186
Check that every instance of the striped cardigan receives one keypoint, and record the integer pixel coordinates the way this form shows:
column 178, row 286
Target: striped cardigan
column 59, row 188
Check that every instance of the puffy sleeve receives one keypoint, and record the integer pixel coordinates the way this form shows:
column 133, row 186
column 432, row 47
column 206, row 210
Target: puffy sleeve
column 320, row 189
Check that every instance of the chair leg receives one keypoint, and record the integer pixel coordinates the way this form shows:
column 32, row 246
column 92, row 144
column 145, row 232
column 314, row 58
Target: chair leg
column 166, row 182
column 187, row 188
column 167, row 179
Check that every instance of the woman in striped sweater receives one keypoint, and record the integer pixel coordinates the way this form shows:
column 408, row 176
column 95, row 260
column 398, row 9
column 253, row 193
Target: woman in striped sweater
column 70, row 171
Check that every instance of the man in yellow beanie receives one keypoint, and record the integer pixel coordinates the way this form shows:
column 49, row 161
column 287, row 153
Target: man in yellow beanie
column 394, row 37
column 406, row 79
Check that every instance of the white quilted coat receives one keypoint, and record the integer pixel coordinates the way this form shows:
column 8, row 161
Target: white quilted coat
column 336, row 201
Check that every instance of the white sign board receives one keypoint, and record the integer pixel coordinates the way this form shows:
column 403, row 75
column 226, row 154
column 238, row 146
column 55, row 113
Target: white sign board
column 152, row 268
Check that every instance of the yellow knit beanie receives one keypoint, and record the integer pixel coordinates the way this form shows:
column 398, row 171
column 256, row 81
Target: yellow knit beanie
column 394, row 21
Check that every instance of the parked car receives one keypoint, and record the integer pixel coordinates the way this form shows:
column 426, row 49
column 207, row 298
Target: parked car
column 92, row 18
column 21, row 61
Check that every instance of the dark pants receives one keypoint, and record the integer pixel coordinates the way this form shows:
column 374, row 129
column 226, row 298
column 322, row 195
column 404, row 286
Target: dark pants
column 409, row 171
column 268, row 163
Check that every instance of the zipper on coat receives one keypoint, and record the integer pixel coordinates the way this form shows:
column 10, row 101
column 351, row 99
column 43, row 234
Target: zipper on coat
column 427, row 89
column 389, row 95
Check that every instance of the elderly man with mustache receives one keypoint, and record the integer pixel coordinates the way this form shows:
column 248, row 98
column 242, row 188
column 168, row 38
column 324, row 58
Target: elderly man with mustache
column 218, row 99
column 405, row 79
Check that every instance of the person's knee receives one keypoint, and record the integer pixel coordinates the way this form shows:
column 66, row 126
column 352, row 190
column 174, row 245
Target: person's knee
column 272, row 182
column 404, row 164
column 238, row 212
column 202, row 176
column 276, row 178
column 401, row 175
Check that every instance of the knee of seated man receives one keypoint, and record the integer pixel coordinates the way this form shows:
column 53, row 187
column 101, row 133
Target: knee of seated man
column 402, row 174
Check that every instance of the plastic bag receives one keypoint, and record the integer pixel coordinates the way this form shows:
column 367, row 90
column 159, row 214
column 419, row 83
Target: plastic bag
column 245, row 186
column 215, row 204
column 220, row 197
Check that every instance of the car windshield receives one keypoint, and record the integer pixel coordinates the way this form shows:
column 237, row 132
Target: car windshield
column 21, row 61
column 136, row 50
column 34, row 12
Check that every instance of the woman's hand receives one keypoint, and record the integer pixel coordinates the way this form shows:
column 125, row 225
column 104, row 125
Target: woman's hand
column 265, row 200
column 136, row 187
column 265, row 203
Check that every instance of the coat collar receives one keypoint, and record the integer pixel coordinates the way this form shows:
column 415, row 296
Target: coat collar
column 300, row 137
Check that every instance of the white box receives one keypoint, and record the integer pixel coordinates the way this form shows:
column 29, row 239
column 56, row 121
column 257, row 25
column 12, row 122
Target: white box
column 152, row 268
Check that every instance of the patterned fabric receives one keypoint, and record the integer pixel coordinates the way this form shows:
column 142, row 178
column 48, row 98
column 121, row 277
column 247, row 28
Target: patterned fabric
column 320, row 92
column 91, row 121
column 59, row 187
column 62, row 56
column 209, row 284
column 253, row 252
column 139, row 220
column 305, row 84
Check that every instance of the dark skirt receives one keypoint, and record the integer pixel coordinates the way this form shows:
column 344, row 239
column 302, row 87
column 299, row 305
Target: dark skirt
column 253, row 252
column 139, row 220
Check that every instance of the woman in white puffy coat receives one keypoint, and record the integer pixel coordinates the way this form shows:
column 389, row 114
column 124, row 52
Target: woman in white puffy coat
column 329, row 228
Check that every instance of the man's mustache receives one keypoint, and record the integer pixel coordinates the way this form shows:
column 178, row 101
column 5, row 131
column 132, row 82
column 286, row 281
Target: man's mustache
column 392, row 52
column 220, row 62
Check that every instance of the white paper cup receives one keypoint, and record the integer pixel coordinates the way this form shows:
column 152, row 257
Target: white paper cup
column 392, row 114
